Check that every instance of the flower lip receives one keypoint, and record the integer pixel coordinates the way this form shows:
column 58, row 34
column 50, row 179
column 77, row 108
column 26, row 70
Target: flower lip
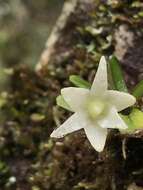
column 95, row 107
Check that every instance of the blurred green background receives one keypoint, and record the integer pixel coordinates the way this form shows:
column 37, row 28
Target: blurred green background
column 24, row 29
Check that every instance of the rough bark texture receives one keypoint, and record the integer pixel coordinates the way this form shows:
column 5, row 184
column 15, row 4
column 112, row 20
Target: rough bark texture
column 59, row 45
column 90, row 30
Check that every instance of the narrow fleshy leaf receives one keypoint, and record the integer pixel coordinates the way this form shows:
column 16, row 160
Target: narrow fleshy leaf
column 138, row 90
column 117, row 75
column 62, row 103
column 79, row 82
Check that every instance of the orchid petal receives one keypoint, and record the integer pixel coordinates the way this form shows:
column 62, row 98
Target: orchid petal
column 100, row 83
column 97, row 136
column 112, row 120
column 75, row 97
column 120, row 100
column 74, row 123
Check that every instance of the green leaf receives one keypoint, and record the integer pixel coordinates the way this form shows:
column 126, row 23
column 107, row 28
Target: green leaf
column 134, row 120
column 79, row 82
column 136, row 117
column 62, row 103
column 128, row 122
column 117, row 75
column 138, row 90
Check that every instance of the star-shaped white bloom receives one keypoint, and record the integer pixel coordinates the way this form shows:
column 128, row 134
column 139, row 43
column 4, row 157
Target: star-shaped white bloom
column 96, row 109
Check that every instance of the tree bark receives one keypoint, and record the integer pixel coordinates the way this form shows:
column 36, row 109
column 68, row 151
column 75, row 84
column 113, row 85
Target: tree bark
column 62, row 34
column 86, row 30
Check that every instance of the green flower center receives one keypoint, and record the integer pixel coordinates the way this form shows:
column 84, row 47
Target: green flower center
column 95, row 108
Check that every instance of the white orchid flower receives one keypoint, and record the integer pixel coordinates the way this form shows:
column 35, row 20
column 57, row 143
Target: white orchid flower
column 96, row 109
